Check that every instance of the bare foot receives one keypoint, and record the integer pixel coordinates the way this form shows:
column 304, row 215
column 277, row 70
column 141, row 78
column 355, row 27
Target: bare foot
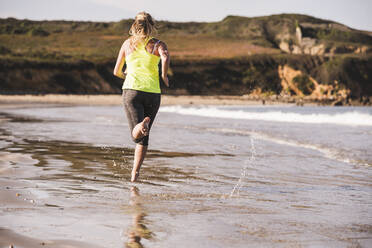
column 141, row 129
column 145, row 126
column 135, row 176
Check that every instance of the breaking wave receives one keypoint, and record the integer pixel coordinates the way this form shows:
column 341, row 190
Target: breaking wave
column 351, row 118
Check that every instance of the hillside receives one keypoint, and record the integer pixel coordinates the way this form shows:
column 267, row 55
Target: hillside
column 238, row 55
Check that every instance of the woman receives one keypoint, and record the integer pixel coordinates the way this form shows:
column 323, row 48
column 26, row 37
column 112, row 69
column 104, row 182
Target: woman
column 141, row 89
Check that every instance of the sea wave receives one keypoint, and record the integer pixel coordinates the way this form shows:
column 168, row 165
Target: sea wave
column 328, row 152
column 351, row 118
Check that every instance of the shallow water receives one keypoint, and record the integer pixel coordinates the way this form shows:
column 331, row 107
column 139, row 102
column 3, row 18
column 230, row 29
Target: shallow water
column 237, row 176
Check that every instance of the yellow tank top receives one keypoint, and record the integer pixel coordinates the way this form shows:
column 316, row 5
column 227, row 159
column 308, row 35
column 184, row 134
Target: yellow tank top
column 142, row 70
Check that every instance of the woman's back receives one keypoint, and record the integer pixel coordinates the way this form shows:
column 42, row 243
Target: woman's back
column 151, row 46
column 142, row 66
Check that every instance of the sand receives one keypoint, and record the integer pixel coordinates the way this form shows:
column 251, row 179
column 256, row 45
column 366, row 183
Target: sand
column 9, row 238
column 10, row 100
column 15, row 197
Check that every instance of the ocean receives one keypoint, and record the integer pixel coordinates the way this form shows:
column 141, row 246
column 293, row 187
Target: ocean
column 215, row 176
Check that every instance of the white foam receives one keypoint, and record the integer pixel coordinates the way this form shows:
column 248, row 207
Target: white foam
column 327, row 152
column 351, row 118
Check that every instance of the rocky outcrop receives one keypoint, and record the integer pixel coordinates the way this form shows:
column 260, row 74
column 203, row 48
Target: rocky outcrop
column 297, row 83
column 287, row 75
column 298, row 43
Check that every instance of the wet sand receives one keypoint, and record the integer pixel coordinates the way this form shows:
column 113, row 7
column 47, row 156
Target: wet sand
column 25, row 198
column 16, row 197
column 215, row 190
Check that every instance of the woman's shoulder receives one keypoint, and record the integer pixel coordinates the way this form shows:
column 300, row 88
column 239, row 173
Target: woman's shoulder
column 127, row 47
column 159, row 44
column 156, row 40
column 127, row 41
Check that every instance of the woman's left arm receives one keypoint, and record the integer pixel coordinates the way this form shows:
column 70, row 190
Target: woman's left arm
column 165, row 60
column 118, row 70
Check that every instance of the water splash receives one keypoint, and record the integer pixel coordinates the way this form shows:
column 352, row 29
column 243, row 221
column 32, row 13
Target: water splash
column 248, row 163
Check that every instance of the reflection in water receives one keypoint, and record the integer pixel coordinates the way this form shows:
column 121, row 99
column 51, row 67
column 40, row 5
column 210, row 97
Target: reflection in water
column 77, row 162
column 138, row 229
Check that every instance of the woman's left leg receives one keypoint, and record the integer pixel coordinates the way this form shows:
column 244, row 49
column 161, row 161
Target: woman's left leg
column 139, row 156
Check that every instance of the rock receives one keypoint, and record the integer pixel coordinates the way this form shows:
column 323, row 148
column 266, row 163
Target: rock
column 299, row 35
column 287, row 74
column 365, row 100
column 338, row 102
column 300, row 102
column 284, row 46
column 362, row 49
column 317, row 50
column 296, row 49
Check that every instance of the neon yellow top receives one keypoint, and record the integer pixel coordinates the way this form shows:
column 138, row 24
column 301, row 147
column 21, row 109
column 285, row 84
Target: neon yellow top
column 142, row 70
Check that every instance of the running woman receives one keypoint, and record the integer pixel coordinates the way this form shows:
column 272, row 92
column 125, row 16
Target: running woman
column 141, row 89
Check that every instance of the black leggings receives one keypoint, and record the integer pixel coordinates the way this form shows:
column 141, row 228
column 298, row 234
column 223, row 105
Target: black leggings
column 137, row 106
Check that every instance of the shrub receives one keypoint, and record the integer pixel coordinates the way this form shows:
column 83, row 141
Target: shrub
column 38, row 32
column 4, row 50
column 304, row 84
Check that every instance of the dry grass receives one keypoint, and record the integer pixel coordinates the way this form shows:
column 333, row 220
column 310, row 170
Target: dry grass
column 95, row 46
column 213, row 47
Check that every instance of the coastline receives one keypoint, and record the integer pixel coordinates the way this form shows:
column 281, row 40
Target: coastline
column 110, row 99
column 16, row 100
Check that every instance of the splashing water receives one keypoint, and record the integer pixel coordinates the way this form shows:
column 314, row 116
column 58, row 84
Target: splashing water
column 249, row 162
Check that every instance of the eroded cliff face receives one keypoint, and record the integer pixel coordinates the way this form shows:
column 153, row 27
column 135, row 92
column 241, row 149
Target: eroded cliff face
column 34, row 77
column 297, row 83
column 300, row 76
column 306, row 76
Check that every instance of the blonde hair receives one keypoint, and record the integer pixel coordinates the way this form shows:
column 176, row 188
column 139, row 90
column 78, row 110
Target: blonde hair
column 142, row 28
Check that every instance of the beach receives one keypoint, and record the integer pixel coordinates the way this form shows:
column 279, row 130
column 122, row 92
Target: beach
column 220, row 172
column 115, row 99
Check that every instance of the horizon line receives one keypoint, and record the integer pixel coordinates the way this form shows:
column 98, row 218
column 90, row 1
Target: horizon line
column 185, row 21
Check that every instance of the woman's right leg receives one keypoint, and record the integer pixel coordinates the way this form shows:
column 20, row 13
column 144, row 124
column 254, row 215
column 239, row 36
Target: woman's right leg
column 151, row 107
column 141, row 129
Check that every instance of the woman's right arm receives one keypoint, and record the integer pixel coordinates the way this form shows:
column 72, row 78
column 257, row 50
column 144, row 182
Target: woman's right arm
column 118, row 70
column 165, row 60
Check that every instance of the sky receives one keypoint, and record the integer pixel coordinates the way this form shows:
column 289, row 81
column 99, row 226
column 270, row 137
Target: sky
column 353, row 13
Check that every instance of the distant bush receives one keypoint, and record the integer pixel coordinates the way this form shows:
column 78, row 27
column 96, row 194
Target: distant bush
column 38, row 32
column 262, row 74
column 100, row 25
column 123, row 25
column 304, row 84
column 4, row 50
column 334, row 34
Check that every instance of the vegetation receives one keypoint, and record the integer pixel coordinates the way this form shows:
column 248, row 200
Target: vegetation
column 234, row 36
column 236, row 55
column 304, row 84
